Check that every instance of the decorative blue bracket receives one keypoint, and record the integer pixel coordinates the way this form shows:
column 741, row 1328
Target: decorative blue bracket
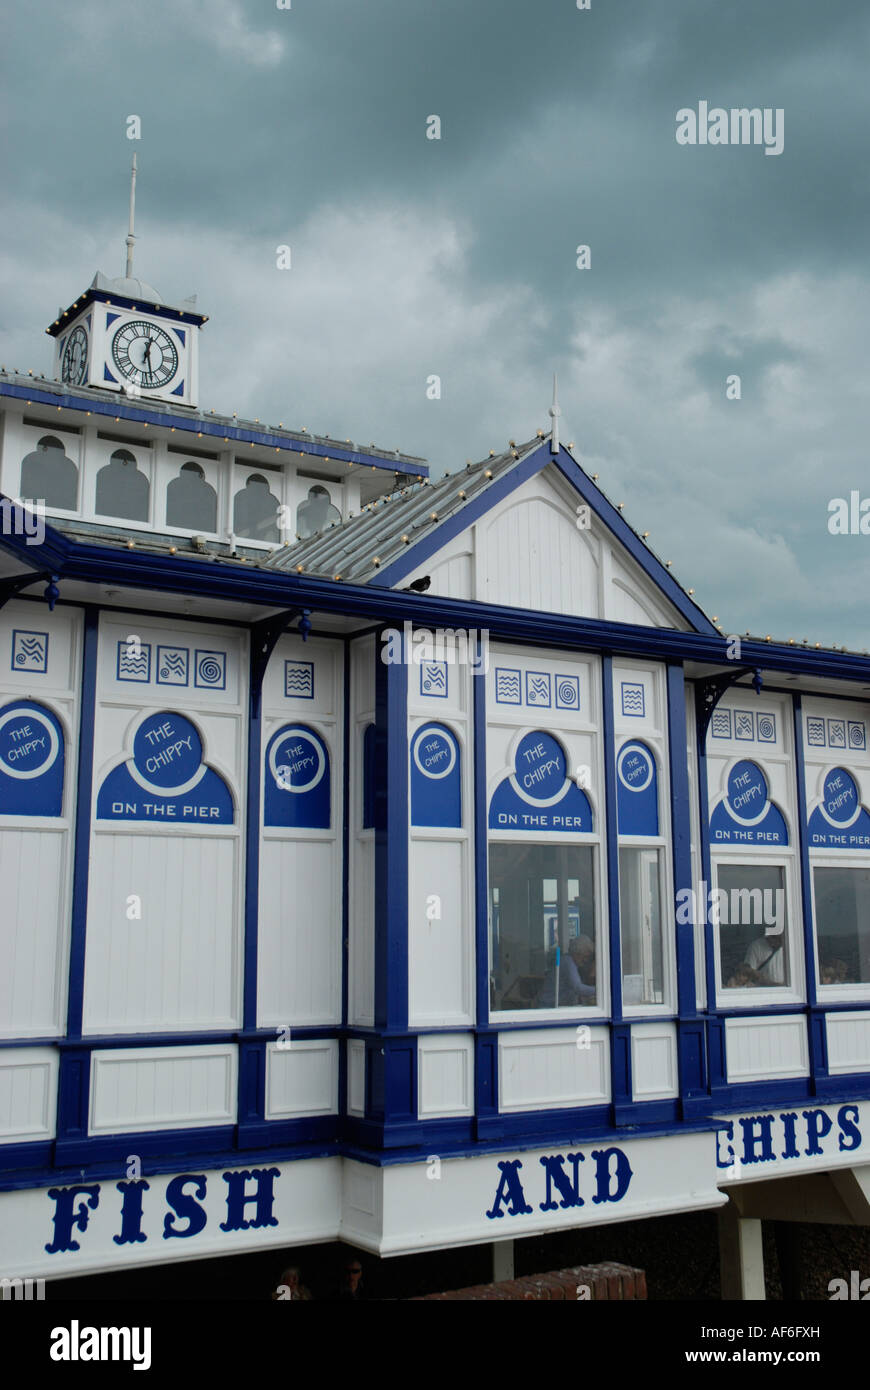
column 10, row 587
column 264, row 636
column 711, row 691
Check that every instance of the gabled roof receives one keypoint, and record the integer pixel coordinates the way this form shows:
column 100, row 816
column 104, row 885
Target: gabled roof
column 361, row 548
column 395, row 535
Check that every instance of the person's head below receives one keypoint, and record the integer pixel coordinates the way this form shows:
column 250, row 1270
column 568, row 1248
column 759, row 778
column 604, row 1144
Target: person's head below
column 352, row 1275
column 290, row 1279
column 582, row 948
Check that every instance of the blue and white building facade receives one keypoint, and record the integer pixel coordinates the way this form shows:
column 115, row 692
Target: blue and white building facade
column 334, row 907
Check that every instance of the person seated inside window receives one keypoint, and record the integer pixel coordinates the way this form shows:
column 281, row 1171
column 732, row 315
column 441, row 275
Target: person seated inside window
column 835, row 972
column 576, row 976
column 763, row 964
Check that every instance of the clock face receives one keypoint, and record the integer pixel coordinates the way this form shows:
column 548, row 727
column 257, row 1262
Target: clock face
column 144, row 354
column 75, row 357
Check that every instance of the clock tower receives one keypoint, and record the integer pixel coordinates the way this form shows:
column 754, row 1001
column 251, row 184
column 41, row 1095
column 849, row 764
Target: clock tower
column 121, row 336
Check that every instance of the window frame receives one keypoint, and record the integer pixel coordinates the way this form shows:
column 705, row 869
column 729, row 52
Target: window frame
column 661, row 845
column 570, row 1012
column 753, row 997
column 857, row 992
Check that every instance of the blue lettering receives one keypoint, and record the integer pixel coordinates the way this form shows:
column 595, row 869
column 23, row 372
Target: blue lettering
column 65, row 1218
column 552, row 1165
column 510, row 1189
column 728, row 1131
column 238, row 1199
column 622, row 1173
column 751, row 1139
column 818, row 1125
column 849, row 1127
column 184, row 1205
column 791, row 1149
column 131, row 1212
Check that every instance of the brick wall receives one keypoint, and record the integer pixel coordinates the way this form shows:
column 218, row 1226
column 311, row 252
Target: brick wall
column 594, row 1282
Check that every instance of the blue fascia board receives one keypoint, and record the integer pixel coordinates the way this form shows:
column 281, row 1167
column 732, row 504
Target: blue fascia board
column 255, row 585
column 213, row 429
column 92, row 295
column 615, row 522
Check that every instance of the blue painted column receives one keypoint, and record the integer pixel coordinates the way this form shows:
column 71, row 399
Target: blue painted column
column 691, row 1040
column 816, row 1029
column 391, row 1057
column 488, row 1123
column 620, row 1032
column 252, row 1051
column 716, row 1066
column 73, row 1090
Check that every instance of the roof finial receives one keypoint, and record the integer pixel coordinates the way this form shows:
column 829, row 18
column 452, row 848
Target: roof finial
column 554, row 413
column 130, row 236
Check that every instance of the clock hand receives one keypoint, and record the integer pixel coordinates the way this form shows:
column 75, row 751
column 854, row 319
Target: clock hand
column 148, row 342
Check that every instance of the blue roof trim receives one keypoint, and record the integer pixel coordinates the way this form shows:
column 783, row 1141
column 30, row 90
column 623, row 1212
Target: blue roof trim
column 614, row 521
column 207, row 427
column 460, row 521
column 252, row 584
column 95, row 296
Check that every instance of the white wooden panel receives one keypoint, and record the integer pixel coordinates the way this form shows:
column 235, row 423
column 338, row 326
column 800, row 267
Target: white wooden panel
column 178, row 966
column 439, row 984
column 362, row 919
column 453, row 578
column 545, row 1069
column 304, row 679
column 654, row 1061
column 356, row 1077
column 226, row 646
column 61, row 674
column 146, row 1088
column 299, row 942
column 28, row 1094
column 848, row 1041
column 534, row 557
column 632, row 598
column 363, row 676
column 759, row 1048
column 33, row 872
column 446, row 1075
column 302, row 1079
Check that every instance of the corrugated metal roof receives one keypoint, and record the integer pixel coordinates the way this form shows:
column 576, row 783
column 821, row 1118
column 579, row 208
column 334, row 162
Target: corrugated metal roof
column 358, row 548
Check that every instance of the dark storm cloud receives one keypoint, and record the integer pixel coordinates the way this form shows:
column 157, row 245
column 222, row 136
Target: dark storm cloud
column 307, row 126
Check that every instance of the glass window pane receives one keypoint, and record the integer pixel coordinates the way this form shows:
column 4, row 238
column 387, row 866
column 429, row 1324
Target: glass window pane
column 640, row 919
column 542, row 926
column 843, row 925
column 122, row 490
column 255, row 510
column 191, row 502
column 753, row 926
column 315, row 513
column 48, row 476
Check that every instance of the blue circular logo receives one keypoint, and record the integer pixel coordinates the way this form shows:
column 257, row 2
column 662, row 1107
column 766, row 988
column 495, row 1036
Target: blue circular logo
column 434, row 753
column 28, row 742
column 841, row 802
column 747, row 791
column 297, row 760
column 167, row 750
column 634, row 767
column 541, row 767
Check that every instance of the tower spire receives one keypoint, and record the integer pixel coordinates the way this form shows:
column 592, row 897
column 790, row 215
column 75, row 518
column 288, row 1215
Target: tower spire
column 130, row 236
column 554, row 414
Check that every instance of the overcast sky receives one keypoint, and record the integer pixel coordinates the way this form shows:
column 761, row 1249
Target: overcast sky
column 457, row 257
